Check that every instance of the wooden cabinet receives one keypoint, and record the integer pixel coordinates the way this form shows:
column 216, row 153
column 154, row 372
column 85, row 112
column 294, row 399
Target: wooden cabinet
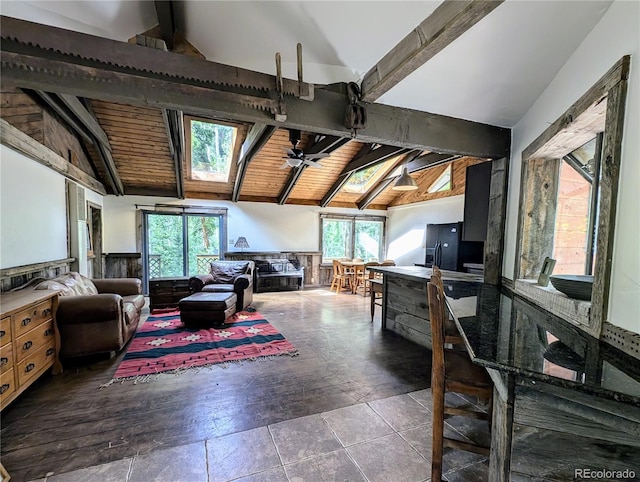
column 29, row 341
column 167, row 292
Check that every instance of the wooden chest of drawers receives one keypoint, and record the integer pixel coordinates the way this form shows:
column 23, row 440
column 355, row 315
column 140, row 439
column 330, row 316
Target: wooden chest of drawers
column 29, row 342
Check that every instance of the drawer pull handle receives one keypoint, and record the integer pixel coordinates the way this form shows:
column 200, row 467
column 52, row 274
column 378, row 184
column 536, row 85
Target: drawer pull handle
column 50, row 351
column 4, row 388
column 3, row 361
column 46, row 312
column 48, row 332
column 29, row 367
column 26, row 321
column 2, row 333
column 27, row 345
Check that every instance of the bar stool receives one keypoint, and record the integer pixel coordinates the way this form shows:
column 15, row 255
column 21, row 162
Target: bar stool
column 451, row 333
column 375, row 285
column 452, row 371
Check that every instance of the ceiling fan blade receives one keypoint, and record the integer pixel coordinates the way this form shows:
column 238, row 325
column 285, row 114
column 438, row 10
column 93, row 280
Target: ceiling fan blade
column 312, row 163
column 285, row 165
column 290, row 152
column 320, row 155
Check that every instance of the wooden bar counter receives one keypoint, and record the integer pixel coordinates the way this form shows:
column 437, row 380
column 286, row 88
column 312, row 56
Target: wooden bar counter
column 405, row 309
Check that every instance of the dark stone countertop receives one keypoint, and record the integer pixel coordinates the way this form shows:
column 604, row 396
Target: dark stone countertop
column 505, row 332
column 420, row 273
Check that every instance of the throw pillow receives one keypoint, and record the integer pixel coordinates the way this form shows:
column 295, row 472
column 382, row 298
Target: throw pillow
column 89, row 285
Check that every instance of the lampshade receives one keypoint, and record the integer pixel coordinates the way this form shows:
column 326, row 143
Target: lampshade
column 241, row 242
column 405, row 182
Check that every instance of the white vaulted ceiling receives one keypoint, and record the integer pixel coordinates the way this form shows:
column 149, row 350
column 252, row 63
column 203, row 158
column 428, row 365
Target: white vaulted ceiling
column 492, row 74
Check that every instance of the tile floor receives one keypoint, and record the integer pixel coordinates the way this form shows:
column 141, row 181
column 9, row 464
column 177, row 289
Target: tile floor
column 379, row 441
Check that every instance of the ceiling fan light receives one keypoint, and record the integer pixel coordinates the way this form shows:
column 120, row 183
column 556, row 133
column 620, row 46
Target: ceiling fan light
column 405, row 182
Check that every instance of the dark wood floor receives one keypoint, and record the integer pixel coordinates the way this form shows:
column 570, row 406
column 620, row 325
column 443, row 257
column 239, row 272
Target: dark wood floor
column 68, row 422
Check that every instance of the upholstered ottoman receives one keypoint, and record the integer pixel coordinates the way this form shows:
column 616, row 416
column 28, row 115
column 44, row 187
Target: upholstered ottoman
column 207, row 309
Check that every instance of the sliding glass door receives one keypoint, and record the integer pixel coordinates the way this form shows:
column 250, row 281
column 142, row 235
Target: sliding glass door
column 181, row 244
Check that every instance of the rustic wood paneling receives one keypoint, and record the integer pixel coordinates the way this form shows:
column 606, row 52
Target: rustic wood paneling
column 11, row 278
column 140, row 147
column 22, row 112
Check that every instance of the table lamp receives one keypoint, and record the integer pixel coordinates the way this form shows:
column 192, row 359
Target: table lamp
column 241, row 243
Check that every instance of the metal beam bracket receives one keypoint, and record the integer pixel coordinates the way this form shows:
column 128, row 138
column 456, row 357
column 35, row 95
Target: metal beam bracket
column 356, row 115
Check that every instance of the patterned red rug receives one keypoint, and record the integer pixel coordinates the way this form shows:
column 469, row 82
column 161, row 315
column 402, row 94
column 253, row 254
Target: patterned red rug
column 164, row 344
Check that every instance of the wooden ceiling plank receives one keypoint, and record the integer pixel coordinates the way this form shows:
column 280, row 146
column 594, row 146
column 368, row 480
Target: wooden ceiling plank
column 42, row 70
column 448, row 21
column 257, row 137
column 104, row 150
column 52, row 101
column 365, row 149
column 384, row 182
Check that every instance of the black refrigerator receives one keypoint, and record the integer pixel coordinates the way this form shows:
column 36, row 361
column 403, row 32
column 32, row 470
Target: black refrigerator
column 443, row 246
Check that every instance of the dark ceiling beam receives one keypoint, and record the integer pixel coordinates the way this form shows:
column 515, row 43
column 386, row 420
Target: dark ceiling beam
column 429, row 160
column 369, row 155
column 415, row 163
column 53, row 101
column 327, row 145
column 86, row 117
column 257, row 137
column 383, row 183
column 376, row 156
column 449, row 20
column 166, row 21
column 174, row 125
column 155, row 80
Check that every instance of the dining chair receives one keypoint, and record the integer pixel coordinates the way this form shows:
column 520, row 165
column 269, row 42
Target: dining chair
column 339, row 277
column 451, row 333
column 452, row 371
column 366, row 275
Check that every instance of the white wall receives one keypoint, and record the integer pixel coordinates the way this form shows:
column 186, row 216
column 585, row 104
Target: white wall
column 616, row 35
column 407, row 225
column 33, row 219
column 267, row 227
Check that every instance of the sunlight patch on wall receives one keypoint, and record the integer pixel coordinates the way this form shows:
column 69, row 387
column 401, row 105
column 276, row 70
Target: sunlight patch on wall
column 407, row 242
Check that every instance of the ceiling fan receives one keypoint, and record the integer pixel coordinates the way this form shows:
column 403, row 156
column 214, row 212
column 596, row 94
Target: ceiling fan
column 296, row 157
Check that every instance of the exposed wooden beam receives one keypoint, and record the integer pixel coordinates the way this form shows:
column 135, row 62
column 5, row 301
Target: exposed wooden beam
column 173, row 124
column 374, row 192
column 164, row 11
column 383, row 183
column 166, row 86
column 375, row 156
column 429, row 160
column 327, row 144
column 86, row 117
column 256, row 139
column 16, row 139
column 365, row 149
column 449, row 21
column 52, row 100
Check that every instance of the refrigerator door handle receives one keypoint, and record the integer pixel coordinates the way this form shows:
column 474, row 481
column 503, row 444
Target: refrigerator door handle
column 438, row 254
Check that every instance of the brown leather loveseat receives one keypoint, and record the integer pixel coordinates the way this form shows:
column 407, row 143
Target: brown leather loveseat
column 227, row 276
column 95, row 315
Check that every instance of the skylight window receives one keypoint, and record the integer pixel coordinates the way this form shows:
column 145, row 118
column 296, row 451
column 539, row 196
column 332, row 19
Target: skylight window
column 361, row 180
column 443, row 183
column 211, row 150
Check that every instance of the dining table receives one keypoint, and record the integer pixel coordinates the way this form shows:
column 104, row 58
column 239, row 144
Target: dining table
column 351, row 269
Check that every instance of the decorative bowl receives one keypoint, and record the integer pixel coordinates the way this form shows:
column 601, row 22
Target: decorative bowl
column 576, row 286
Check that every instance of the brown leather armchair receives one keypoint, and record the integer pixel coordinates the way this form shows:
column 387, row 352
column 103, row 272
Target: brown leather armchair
column 93, row 322
column 227, row 276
